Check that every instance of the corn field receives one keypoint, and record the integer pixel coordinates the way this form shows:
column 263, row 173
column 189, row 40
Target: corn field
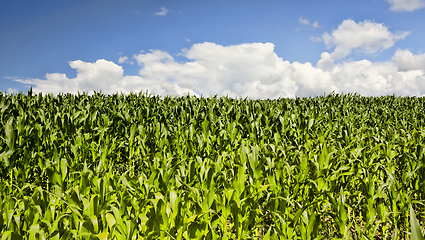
column 138, row 166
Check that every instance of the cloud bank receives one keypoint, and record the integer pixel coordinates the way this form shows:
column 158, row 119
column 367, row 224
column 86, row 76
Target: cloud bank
column 254, row 70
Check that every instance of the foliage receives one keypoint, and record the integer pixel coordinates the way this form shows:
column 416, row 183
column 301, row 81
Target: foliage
column 139, row 166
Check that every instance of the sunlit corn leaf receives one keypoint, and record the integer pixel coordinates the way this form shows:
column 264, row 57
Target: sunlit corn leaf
column 414, row 224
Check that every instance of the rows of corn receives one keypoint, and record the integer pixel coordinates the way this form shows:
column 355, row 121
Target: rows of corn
column 140, row 166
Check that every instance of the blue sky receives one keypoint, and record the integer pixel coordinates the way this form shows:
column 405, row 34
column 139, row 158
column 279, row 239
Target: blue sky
column 259, row 49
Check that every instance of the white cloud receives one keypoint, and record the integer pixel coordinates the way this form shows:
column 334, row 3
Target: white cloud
column 366, row 36
column 152, row 57
column 406, row 5
column 406, row 61
column 215, row 69
column 307, row 22
column 163, row 12
column 316, row 39
column 251, row 69
column 122, row 59
column 11, row 90
column 373, row 79
column 100, row 75
column 315, row 25
column 311, row 80
column 304, row 21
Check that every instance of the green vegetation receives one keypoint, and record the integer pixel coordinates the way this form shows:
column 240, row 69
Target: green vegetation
column 143, row 167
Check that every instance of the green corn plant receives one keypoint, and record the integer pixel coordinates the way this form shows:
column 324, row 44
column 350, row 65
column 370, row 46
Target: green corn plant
column 140, row 166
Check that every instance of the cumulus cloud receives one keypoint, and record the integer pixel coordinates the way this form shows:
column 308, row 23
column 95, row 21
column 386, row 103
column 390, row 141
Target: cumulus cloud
column 163, row 12
column 122, row 59
column 406, row 5
column 252, row 69
column 101, row 75
column 374, row 79
column 215, row 69
column 90, row 76
column 406, row 60
column 152, row 57
column 366, row 36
